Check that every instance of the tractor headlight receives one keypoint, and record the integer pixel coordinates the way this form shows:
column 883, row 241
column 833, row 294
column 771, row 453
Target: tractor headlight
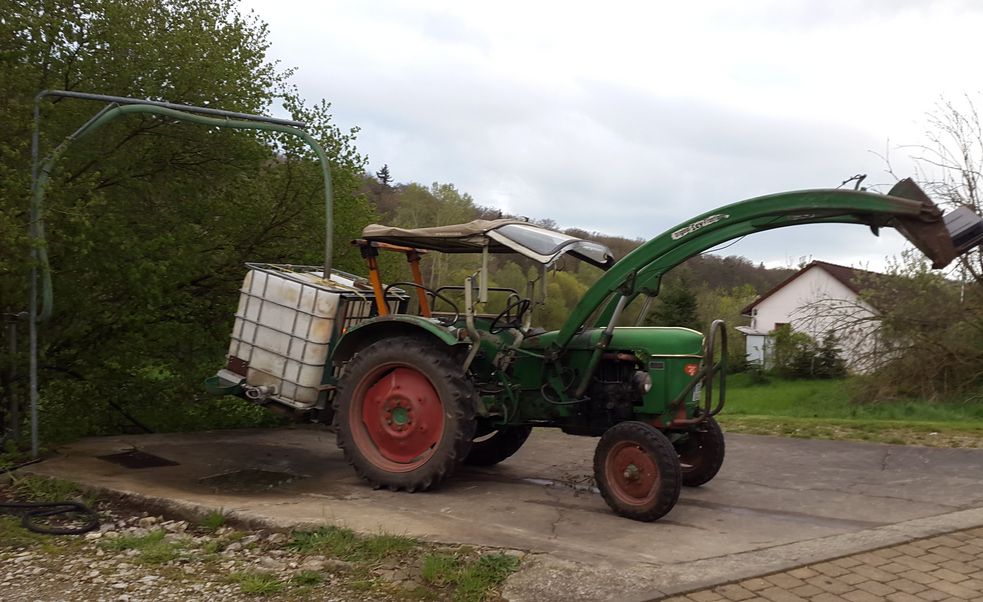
column 642, row 381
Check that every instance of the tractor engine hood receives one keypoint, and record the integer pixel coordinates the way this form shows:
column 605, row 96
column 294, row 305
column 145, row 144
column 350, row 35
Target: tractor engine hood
column 642, row 340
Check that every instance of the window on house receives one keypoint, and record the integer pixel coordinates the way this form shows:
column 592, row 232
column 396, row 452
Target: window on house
column 779, row 325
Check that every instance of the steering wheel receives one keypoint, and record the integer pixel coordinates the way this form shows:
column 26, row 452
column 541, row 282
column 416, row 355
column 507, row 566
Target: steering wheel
column 442, row 320
column 511, row 316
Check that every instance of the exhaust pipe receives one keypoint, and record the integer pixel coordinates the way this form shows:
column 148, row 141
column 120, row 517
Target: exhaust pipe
column 260, row 393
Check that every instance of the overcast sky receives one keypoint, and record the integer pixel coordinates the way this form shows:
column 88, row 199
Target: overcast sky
column 631, row 117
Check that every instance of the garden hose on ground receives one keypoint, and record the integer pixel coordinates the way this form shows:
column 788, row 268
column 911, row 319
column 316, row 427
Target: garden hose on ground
column 35, row 514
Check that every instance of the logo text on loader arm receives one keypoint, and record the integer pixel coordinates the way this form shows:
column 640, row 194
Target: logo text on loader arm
column 697, row 225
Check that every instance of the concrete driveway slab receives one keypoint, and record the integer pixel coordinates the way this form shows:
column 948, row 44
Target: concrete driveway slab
column 775, row 502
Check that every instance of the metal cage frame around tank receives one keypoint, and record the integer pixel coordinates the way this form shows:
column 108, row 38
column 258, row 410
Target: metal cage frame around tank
column 349, row 298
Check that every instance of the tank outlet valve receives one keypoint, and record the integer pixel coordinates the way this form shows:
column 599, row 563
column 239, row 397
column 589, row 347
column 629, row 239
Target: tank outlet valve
column 259, row 393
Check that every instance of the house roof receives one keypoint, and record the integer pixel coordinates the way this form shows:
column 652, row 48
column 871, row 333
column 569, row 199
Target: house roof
column 852, row 278
column 747, row 330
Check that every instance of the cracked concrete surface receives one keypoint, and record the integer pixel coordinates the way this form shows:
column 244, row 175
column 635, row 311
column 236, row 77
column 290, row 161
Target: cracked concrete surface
column 887, row 454
column 776, row 501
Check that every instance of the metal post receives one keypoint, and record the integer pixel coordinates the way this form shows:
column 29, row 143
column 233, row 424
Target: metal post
column 11, row 379
column 33, row 304
column 7, row 407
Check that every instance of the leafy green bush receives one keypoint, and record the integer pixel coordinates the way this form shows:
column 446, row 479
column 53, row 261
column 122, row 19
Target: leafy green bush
column 797, row 355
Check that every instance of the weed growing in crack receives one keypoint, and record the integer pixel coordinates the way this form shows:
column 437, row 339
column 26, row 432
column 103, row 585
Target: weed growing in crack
column 257, row 583
column 471, row 579
column 347, row 545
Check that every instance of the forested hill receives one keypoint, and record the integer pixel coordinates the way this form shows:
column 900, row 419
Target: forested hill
column 414, row 205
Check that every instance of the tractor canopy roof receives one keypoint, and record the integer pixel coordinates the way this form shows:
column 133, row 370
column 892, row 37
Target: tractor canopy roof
column 499, row 236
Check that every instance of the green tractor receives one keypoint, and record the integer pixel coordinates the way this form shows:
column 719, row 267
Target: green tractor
column 420, row 380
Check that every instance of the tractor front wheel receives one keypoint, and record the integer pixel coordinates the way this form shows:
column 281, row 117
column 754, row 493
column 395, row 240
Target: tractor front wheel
column 701, row 453
column 637, row 471
column 405, row 413
column 497, row 446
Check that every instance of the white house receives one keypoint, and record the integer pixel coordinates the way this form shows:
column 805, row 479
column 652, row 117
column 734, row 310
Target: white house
column 819, row 298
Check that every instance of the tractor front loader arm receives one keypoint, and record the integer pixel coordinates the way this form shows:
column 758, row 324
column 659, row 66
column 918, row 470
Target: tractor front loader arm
column 905, row 208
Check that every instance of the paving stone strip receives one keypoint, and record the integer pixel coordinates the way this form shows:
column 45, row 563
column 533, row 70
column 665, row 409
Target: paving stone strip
column 945, row 567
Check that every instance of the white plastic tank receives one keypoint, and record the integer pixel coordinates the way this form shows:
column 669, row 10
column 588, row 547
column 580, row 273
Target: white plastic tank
column 283, row 327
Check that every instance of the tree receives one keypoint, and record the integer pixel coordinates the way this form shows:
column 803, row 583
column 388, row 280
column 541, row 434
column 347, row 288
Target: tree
column 726, row 304
column 793, row 353
column 438, row 205
column 676, row 305
column 383, row 174
column 950, row 164
column 912, row 332
column 563, row 294
column 829, row 363
column 930, row 335
column 149, row 224
column 929, row 327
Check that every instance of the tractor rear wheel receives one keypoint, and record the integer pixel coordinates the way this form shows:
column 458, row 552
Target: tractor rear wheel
column 497, row 446
column 701, row 453
column 405, row 412
column 637, row 471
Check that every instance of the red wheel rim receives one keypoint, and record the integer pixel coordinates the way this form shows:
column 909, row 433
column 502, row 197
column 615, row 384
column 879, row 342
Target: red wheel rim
column 632, row 475
column 396, row 418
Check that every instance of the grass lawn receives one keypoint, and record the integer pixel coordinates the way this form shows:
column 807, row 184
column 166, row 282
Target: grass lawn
column 822, row 409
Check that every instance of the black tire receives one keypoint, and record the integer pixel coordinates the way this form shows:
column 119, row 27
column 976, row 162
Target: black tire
column 701, row 453
column 500, row 445
column 637, row 471
column 440, row 426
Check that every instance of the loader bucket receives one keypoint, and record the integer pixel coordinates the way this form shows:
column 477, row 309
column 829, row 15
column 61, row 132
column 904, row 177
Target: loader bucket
column 940, row 238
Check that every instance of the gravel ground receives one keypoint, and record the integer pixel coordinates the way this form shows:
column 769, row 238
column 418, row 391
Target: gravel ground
column 89, row 568
column 148, row 558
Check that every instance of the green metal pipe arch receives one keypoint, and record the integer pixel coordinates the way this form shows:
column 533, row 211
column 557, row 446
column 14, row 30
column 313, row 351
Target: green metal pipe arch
column 109, row 114
column 119, row 106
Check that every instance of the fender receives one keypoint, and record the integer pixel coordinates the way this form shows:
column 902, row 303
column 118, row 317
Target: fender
column 382, row 327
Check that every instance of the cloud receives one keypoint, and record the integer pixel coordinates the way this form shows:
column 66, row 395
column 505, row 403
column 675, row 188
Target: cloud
column 632, row 117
